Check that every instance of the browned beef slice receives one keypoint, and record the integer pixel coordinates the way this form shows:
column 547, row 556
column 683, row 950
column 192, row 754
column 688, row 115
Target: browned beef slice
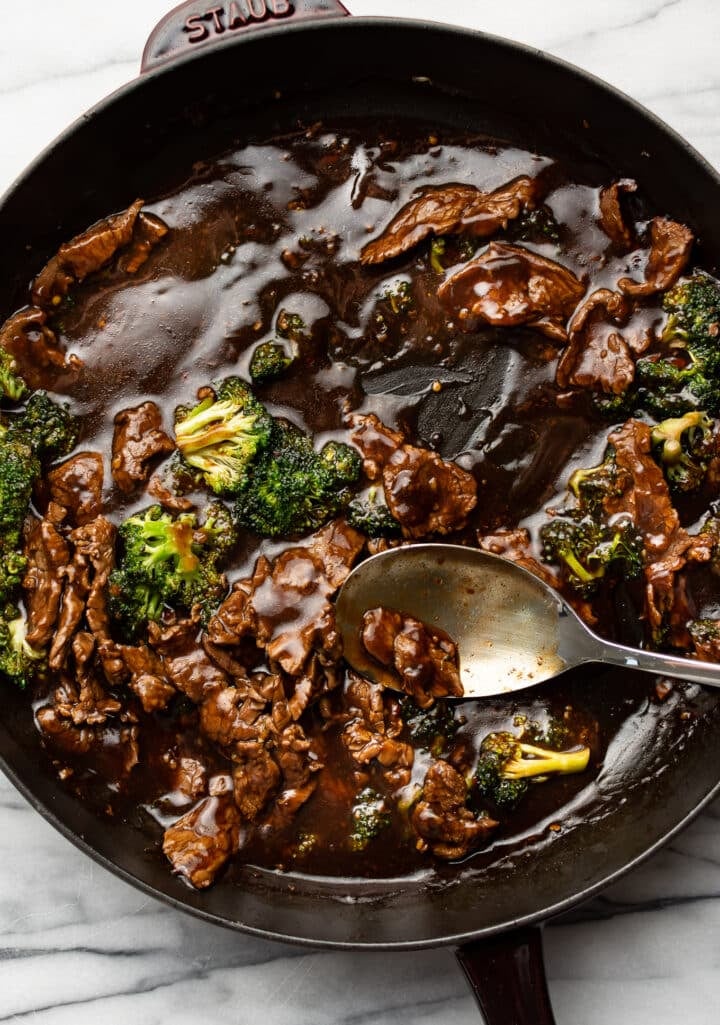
column 149, row 231
column 336, row 546
column 448, row 210
column 235, row 617
column 89, row 704
column 612, row 220
column 256, row 777
column 201, row 842
column 83, row 255
column 147, row 677
column 670, row 245
column 425, row 660
column 441, row 819
column 137, row 440
column 427, row 494
column 39, row 359
column 597, row 355
column 234, row 716
column 508, row 285
column 95, row 543
column 47, row 554
column 371, row 730
column 77, row 485
column 376, row 442
column 187, row 665
column 76, row 587
column 163, row 494
column 190, row 777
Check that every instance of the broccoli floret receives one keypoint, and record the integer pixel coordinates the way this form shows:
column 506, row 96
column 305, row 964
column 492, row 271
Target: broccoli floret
column 223, row 434
column 684, row 446
column 290, row 326
column 12, row 385
column 537, row 225
column 554, row 734
column 589, row 550
column 372, row 517
column 399, row 296
column 669, row 388
column 430, row 728
column 506, row 765
column 19, row 469
column 12, row 569
column 269, row 360
column 290, row 489
column 165, row 561
column 369, row 816
column 705, row 632
column 592, row 485
column 48, row 427
column 437, row 250
column 693, row 306
column 18, row 661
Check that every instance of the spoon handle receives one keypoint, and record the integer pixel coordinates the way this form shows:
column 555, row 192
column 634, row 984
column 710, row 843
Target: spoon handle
column 655, row 662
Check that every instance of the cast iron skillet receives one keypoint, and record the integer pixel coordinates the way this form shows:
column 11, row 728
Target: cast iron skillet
column 200, row 97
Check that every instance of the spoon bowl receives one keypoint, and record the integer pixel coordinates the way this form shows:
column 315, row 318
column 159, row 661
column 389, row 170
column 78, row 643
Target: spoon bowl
column 511, row 629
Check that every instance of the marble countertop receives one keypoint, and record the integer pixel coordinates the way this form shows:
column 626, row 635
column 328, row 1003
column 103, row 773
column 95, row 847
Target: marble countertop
column 79, row 946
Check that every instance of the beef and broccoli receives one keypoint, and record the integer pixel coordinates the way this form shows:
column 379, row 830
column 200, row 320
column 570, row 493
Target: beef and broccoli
column 213, row 406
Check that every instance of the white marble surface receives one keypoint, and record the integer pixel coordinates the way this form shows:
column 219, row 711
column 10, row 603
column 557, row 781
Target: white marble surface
column 78, row 946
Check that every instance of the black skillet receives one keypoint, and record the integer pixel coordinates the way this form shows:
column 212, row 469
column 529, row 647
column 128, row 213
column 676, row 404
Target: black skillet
column 211, row 80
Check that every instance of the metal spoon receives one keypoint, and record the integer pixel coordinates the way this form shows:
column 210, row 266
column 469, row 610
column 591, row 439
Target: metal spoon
column 512, row 630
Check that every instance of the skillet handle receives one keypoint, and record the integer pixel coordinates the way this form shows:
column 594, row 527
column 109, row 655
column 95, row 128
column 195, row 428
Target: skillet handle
column 208, row 23
column 507, row 976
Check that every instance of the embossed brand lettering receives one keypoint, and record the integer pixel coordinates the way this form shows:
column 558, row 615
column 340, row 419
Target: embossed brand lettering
column 215, row 20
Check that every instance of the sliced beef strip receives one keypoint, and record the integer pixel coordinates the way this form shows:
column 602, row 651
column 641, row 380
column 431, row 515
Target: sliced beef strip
column 166, row 497
column 508, row 286
column 39, row 358
column 371, row 730
column 87, row 703
column 426, row 661
column 147, row 677
column 612, row 219
column 442, row 820
column 203, row 840
column 76, row 486
column 48, row 555
column 377, row 443
column 670, row 246
column 95, row 543
column 597, row 355
column 256, row 778
column 425, row 493
column 94, row 249
column 286, row 605
column 138, row 439
column 449, row 210
column 76, row 588
column 646, row 500
column 187, row 665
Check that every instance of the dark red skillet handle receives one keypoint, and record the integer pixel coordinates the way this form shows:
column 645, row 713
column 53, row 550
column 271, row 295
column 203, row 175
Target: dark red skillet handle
column 204, row 22
column 507, row 975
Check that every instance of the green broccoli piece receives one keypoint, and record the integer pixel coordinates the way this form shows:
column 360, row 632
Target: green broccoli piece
column 18, row 661
column 48, row 427
column 269, row 360
column 506, row 765
column 684, row 446
column 12, row 568
column 537, row 225
column 369, row 816
column 12, row 385
column 430, row 728
column 290, row 326
column 290, row 489
column 589, row 551
column 689, row 377
column 437, row 250
column 592, row 485
column 223, row 434
column 19, row 469
column 168, row 562
column 399, row 296
column 372, row 517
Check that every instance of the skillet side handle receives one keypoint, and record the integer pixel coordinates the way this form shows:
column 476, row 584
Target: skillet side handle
column 507, row 976
column 200, row 23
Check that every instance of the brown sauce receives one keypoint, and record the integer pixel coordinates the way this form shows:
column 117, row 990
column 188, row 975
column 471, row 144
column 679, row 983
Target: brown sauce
column 278, row 226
